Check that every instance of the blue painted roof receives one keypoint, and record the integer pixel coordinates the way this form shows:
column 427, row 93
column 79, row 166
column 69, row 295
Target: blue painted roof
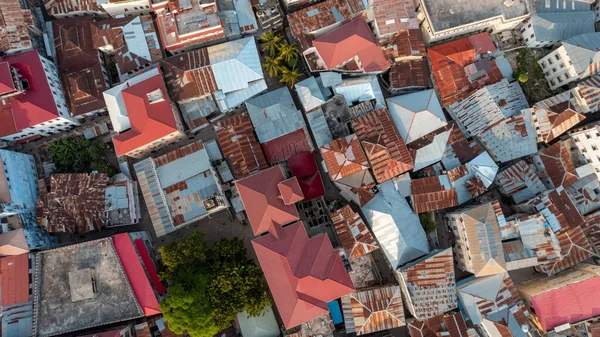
column 335, row 312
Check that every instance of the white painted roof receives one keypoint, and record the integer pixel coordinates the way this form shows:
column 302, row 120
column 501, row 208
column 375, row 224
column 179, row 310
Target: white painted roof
column 416, row 115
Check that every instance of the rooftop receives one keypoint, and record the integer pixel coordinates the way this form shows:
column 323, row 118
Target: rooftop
column 396, row 227
column 57, row 7
column 141, row 111
column 416, row 115
column 353, row 39
column 274, row 114
column 520, row 182
column 432, row 194
column 560, row 26
column 261, row 198
column 344, row 157
column 451, row 324
column 448, row 14
column 179, row 187
column 582, row 50
column 373, row 310
column 354, row 235
column 392, row 17
column 430, row 284
column 409, row 74
column 511, row 138
column 14, row 24
column 237, row 141
column 74, row 203
column 33, row 107
column 301, row 287
column 13, row 243
column 556, row 165
column 304, row 167
column 312, row 94
column 14, row 279
column 112, row 299
column 386, row 151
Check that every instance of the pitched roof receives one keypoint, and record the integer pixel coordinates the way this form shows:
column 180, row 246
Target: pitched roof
column 510, row 138
column 237, row 141
column 555, row 115
column 74, row 203
column 429, row 284
column 344, row 157
column 357, row 187
column 14, row 279
column 260, row 326
column 560, row 26
column 301, row 287
column 318, row 16
column 409, row 74
column 373, row 310
column 284, row 147
column 352, row 39
column 393, row 16
column 14, row 25
column 289, row 191
column 311, row 93
column 304, row 167
column 135, row 273
column 354, row 235
column 556, row 163
column 55, row 7
column 558, row 209
column 591, row 228
column 261, row 198
column 386, row 151
column 448, row 63
column 473, row 178
column 451, row 324
column 432, row 194
column 274, row 114
column 36, row 105
column 417, row 114
column 520, row 182
column 582, row 50
column 405, row 43
column 150, row 114
column 396, row 227
column 13, row 243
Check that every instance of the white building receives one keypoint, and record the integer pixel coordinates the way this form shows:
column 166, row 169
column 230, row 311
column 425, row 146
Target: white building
column 448, row 19
column 577, row 58
column 547, row 29
column 587, row 141
column 31, row 100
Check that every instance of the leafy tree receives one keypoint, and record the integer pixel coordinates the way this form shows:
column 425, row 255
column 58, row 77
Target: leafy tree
column 211, row 284
column 427, row 222
column 523, row 78
column 269, row 42
column 287, row 51
column 289, row 76
column 273, row 66
column 80, row 155
column 188, row 308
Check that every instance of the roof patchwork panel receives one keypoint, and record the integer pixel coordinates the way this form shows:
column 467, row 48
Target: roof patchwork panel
column 373, row 310
column 354, row 235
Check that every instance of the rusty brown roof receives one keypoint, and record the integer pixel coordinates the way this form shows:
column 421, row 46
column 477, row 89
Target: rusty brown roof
column 74, row 203
column 189, row 75
column 574, row 248
column 18, row 20
column 373, row 310
column 392, row 16
column 238, row 143
column 344, row 157
column 305, row 21
column 520, row 181
column 558, row 164
column 591, row 227
column 451, row 324
column 57, row 7
column 354, row 235
column 428, row 194
column 409, row 73
column 383, row 145
column 406, row 43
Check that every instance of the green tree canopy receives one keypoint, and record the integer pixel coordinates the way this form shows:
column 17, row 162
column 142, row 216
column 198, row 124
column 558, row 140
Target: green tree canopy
column 289, row 77
column 230, row 283
column 269, row 42
column 287, row 51
column 273, row 66
column 80, row 155
column 427, row 222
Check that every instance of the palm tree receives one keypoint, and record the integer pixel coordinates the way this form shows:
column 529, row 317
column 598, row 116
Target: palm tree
column 273, row 66
column 287, row 51
column 289, row 76
column 269, row 41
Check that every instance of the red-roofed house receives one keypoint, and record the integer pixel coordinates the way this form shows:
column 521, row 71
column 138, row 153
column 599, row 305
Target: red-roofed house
column 303, row 274
column 457, row 69
column 304, row 167
column 351, row 47
column 570, row 296
column 17, row 310
column 136, row 274
column 31, row 99
column 141, row 110
column 263, row 201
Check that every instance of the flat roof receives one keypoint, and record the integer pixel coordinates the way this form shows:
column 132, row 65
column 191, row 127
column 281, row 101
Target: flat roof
column 113, row 301
column 447, row 14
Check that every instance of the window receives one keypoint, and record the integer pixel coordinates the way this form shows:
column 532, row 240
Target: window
column 529, row 25
column 557, row 57
column 553, row 70
column 532, row 36
column 552, row 83
column 543, row 65
column 559, row 80
column 562, row 65
column 549, row 61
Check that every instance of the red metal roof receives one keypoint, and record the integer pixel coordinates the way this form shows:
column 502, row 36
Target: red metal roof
column 482, row 43
column 354, row 38
column 344, row 157
column 6, row 79
column 149, row 265
column 386, row 151
column 282, row 148
column 303, row 274
column 261, row 198
column 136, row 275
column 568, row 304
column 14, row 279
column 290, row 191
column 149, row 121
column 33, row 107
column 304, row 167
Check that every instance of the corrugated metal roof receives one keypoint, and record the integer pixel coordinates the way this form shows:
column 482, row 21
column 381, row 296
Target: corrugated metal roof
column 560, row 26
column 408, row 74
column 520, row 182
column 416, row 115
column 511, row 138
column 14, row 26
column 318, row 126
column 451, row 324
column 373, row 310
column 274, row 114
column 14, row 279
column 429, row 284
column 354, row 235
column 361, row 89
column 311, row 93
column 260, row 326
column 344, row 157
column 582, row 50
column 432, row 194
column 396, row 227
column 556, row 165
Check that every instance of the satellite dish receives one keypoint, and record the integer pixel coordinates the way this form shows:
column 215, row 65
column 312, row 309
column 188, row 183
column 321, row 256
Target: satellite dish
column 525, row 328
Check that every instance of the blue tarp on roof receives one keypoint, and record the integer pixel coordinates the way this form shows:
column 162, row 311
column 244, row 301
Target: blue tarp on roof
column 335, row 312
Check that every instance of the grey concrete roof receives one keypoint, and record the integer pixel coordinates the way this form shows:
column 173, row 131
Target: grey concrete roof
column 54, row 311
column 446, row 14
column 560, row 26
